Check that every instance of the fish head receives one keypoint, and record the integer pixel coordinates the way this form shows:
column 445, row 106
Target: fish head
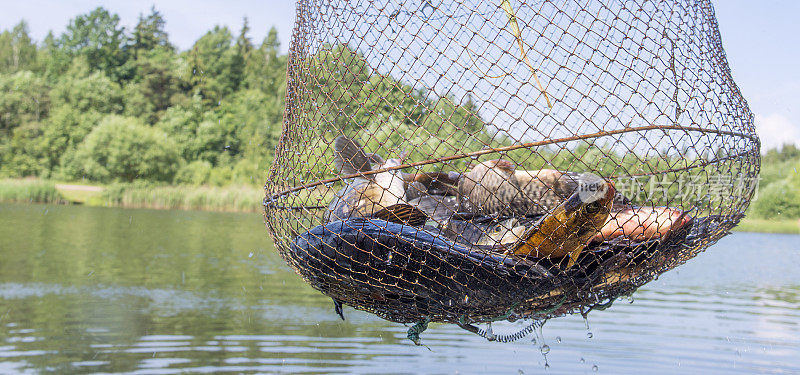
column 588, row 207
column 570, row 226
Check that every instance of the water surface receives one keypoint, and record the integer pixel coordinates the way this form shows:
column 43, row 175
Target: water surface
column 102, row 290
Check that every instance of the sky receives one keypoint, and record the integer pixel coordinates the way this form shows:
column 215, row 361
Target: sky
column 761, row 39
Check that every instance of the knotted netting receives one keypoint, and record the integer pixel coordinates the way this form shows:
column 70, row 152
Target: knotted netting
column 474, row 160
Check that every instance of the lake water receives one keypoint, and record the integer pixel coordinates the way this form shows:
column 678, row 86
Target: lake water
column 100, row 290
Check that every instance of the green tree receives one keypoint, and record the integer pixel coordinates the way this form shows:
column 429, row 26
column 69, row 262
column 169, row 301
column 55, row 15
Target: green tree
column 156, row 86
column 265, row 68
column 64, row 130
column 23, row 98
column 86, row 91
column 150, row 34
column 53, row 61
column 211, row 67
column 180, row 123
column 125, row 149
column 17, row 50
column 19, row 154
column 195, row 173
column 778, row 200
column 98, row 37
column 340, row 73
column 240, row 54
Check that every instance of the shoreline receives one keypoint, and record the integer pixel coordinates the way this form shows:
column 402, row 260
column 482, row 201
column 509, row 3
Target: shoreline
column 243, row 198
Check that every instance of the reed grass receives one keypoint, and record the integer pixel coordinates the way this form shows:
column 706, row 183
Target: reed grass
column 29, row 191
column 230, row 198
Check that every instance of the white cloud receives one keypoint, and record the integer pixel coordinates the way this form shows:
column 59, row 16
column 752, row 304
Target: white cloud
column 776, row 130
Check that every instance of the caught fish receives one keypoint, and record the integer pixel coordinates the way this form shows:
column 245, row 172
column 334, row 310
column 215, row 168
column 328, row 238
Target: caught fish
column 569, row 227
column 376, row 195
column 408, row 198
column 431, row 183
column 489, row 188
column 543, row 189
column 642, row 224
column 497, row 187
column 563, row 232
column 437, row 207
column 505, row 233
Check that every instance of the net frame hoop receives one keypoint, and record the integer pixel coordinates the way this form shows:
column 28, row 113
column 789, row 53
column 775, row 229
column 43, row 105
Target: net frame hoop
column 271, row 201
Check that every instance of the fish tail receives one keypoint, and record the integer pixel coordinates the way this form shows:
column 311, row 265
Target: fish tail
column 349, row 156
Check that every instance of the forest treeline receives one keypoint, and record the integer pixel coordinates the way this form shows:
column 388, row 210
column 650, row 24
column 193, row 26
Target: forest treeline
column 104, row 103
column 779, row 186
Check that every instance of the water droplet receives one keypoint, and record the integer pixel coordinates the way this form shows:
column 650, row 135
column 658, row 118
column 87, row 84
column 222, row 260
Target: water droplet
column 545, row 349
column 558, row 339
column 250, row 255
column 583, row 360
column 520, row 372
column 594, row 368
column 389, row 258
column 589, row 335
column 466, row 299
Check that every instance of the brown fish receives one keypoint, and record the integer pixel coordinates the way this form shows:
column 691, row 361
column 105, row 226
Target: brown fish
column 568, row 228
column 489, row 188
column 543, row 189
column 497, row 187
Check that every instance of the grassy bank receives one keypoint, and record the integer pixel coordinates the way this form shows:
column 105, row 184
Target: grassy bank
column 791, row 226
column 241, row 198
column 230, row 198
column 29, row 191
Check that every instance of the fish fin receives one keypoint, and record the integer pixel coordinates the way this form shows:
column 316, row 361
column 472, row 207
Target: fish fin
column 573, row 256
column 349, row 156
column 402, row 213
column 337, row 307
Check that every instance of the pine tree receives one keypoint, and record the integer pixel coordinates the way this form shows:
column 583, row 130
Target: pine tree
column 150, row 33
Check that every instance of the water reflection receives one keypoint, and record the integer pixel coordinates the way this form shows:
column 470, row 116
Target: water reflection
column 160, row 292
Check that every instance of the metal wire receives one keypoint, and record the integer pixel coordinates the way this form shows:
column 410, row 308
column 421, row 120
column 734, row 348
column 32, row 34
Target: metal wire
column 435, row 154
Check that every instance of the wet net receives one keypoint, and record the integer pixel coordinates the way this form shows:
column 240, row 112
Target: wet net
column 471, row 161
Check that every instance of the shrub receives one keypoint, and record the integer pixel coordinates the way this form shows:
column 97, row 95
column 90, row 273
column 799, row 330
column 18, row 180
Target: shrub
column 124, row 149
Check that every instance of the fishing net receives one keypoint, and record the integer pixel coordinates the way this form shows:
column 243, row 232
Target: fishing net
column 471, row 161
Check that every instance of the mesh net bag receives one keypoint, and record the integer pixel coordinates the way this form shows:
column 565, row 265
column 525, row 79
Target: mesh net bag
column 469, row 161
